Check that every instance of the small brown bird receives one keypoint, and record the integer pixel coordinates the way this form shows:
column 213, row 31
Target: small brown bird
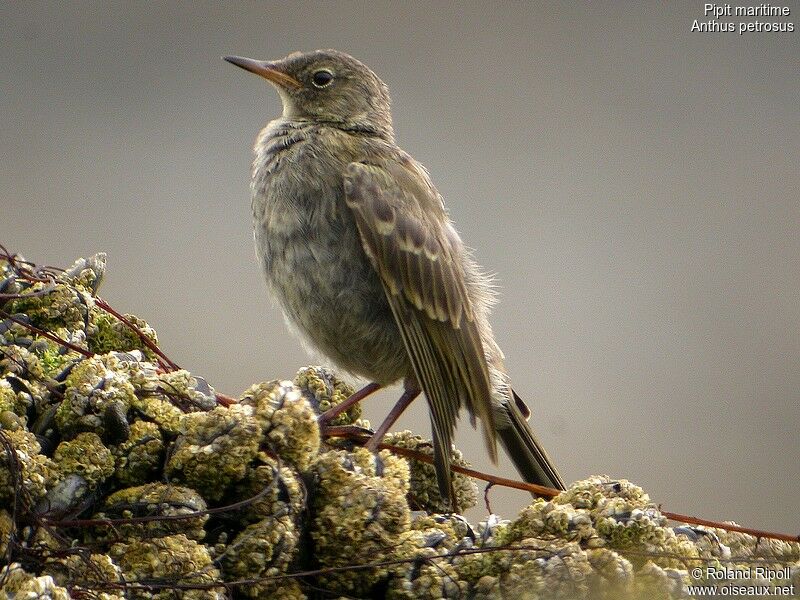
column 357, row 246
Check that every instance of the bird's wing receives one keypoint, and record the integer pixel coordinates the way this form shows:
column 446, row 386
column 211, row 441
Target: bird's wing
column 418, row 255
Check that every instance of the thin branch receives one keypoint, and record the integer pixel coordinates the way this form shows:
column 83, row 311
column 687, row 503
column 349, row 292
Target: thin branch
column 165, row 361
column 550, row 492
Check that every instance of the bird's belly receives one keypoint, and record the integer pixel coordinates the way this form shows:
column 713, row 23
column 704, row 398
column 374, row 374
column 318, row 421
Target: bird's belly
column 317, row 269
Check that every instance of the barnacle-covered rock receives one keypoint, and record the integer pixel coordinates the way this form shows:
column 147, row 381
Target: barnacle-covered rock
column 270, row 490
column 214, row 449
column 432, row 575
column 545, row 519
column 287, row 419
column 7, row 529
column 139, row 458
column 324, row 390
column 106, row 333
column 175, row 559
column 85, row 456
column 656, row 583
column 159, row 509
column 186, row 390
column 424, row 491
column 612, row 575
column 50, row 306
column 361, row 510
column 157, row 394
column 546, row 569
column 86, row 273
column 623, row 524
column 87, row 444
column 23, row 470
column 93, row 571
column 13, row 401
column 22, row 364
column 748, row 546
column 262, row 550
column 98, row 392
column 18, row 584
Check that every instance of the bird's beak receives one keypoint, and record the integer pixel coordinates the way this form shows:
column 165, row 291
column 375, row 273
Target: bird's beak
column 267, row 70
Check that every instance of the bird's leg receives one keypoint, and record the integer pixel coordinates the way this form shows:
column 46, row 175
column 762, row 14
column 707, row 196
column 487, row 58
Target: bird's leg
column 330, row 414
column 407, row 398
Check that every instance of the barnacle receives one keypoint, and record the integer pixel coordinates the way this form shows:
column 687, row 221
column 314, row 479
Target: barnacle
column 546, row 569
column 139, row 458
column 95, row 387
column 214, row 449
column 324, row 390
column 86, row 273
column 271, row 490
column 106, row 332
column 85, row 456
column 159, row 509
column 51, row 306
column 86, row 573
column 424, row 490
column 22, row 468
column 18, row 583
column 175, row 559
column 361, row 508
column 262, row 550
column 287, row 419
column 547, row 520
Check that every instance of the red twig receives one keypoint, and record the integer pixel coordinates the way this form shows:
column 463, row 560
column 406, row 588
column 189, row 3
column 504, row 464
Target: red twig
column 550, row 492
column 46, row 334
column 165, row 362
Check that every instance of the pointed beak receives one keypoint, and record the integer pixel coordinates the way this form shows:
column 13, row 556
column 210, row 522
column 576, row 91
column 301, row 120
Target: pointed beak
column 267, row 70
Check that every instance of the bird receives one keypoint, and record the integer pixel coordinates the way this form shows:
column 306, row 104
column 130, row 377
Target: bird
column 358, row 248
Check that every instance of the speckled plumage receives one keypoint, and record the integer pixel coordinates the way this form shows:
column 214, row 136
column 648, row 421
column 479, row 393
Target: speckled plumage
column 308, row 246
column 357, row 247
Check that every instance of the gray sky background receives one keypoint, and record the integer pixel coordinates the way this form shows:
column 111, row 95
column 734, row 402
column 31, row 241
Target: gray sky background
column 635, row 187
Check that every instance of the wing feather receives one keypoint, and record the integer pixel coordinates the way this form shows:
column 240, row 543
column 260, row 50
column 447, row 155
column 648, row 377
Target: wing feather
column 407, row 236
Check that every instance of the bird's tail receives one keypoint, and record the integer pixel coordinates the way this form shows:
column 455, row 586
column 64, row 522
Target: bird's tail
column 525, row 451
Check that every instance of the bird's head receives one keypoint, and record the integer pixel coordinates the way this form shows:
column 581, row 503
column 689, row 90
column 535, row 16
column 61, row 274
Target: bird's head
column 326, row 86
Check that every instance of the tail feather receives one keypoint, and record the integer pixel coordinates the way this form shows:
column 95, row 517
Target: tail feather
column 525, row 451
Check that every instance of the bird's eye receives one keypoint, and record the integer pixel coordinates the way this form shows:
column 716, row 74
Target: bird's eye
column 322, row 78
